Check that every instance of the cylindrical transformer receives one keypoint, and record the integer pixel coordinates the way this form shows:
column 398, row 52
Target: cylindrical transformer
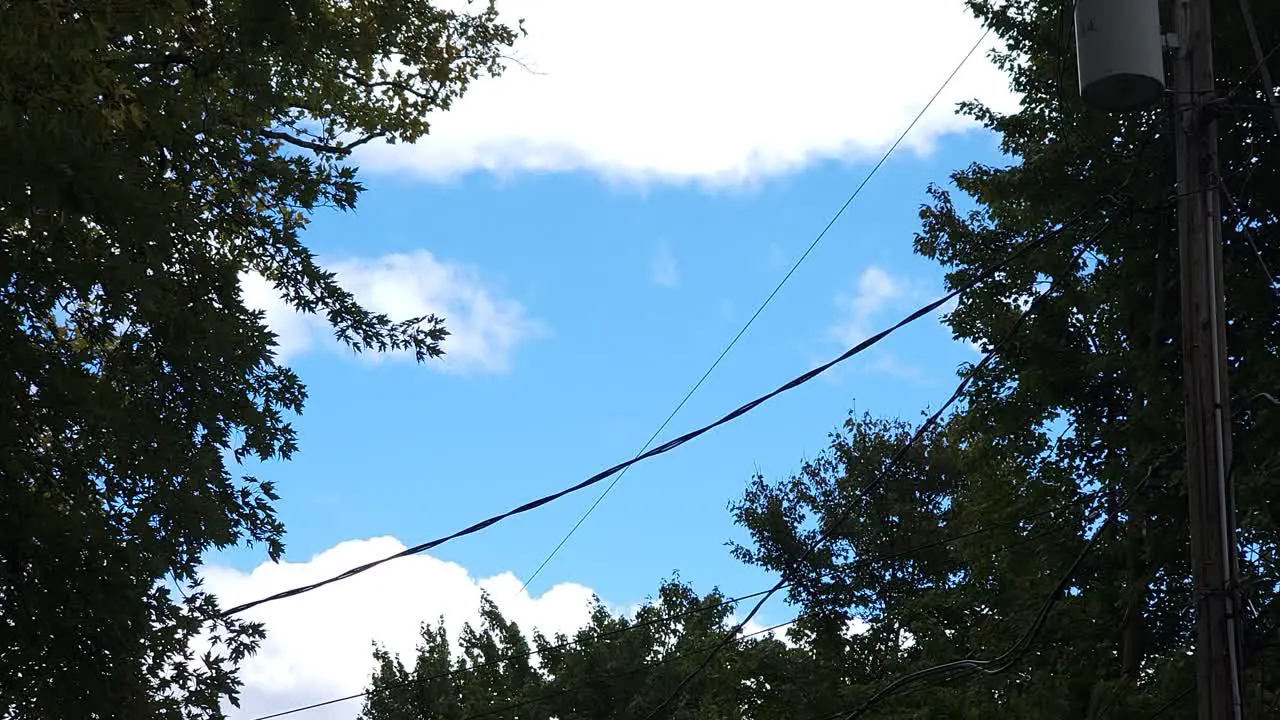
column 1120, row 53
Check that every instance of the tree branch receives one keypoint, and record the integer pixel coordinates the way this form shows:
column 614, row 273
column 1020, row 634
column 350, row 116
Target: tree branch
column 393, row 84
column 323, row 148
column 299, row 142
column 365, row 139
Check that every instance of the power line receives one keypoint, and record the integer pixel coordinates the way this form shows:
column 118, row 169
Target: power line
column 681, row 440
column 746, row 408
column 894, row 460
column 884, row 557
column 858, row 191
column 729, row 601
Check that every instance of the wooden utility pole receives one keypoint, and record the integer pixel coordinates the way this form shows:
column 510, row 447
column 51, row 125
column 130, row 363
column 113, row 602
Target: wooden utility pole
column 1214, row 563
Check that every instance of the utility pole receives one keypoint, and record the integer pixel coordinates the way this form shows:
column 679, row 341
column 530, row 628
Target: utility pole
column 1121, row 64
column 1214, row 561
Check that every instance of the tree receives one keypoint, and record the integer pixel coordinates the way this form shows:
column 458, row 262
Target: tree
column 616, row 667
column 1083, row 406
column 948, row 557
column 154, row 153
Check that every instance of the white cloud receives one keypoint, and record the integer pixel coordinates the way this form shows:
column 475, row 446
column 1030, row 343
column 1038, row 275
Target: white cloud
column 716, row 91
column 484, row 327
column 663, row 270
column 294, row 331
column 319, row 646
column 874, row 291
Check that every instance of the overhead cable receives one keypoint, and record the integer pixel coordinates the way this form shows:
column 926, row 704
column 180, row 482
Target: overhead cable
column 670, row 445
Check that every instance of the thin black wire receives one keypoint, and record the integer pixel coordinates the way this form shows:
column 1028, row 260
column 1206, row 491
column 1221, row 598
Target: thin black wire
column 892, row 465
column 884, row 557
column 945, row 676
column 681, row 440
column 858, row 191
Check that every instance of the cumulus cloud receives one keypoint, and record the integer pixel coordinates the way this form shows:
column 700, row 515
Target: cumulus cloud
column 663, row 270
column 716, row 91
column 319, row 646
column 485, row 328
column 874, row 290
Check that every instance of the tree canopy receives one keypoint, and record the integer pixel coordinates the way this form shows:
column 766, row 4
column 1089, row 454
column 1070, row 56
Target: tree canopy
column 154, row 153
column 616, row 666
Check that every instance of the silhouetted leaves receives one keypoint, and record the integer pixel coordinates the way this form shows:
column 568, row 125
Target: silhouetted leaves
column 153, row 153
column 621, row 667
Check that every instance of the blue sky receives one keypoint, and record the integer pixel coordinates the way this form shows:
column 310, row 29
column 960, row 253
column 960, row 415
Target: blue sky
column 590, row 280
column 631, row 297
